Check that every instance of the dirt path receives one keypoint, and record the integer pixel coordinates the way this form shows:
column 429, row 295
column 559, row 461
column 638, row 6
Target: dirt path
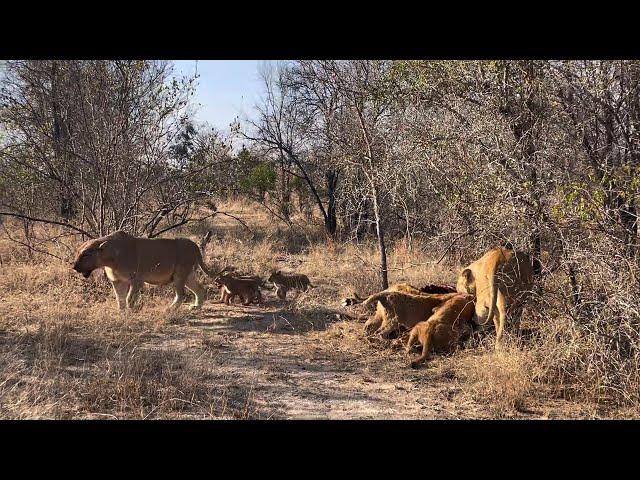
column 283, row 368
column 67, row 352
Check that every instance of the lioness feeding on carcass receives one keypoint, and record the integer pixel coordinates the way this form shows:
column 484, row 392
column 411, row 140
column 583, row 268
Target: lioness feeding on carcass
column 399, row 305
column 129, row 262
column 450, row 324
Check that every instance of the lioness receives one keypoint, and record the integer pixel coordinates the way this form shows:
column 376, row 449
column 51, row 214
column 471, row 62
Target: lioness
column 496, row 278
column 247, row 288
column 447, row 327
column 373, row 322
column 401, row 308
column 129, row 262
column 402, row 287
column 285, row 282
column 381, row 316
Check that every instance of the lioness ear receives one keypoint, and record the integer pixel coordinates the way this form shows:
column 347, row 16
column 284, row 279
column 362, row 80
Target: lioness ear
column 111, row 251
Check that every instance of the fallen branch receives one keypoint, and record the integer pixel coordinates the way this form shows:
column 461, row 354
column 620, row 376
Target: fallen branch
column 181, row 223
column 238, row 220
column 205, row 240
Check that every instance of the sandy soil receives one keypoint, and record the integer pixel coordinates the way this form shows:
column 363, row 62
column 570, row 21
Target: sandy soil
column 277, row 367
column 283, row 359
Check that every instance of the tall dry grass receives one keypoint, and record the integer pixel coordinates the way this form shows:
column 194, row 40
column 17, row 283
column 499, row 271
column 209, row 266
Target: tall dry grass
column 66, row 351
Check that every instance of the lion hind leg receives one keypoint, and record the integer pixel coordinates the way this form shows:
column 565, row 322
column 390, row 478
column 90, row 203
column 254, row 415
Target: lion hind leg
column 223, row 295
column 180, row 294
column 198, row 291
column 388, row 327
column 281, row 292
column 500, row 319
column 426, row 342
column 227, row 295
column 372, row 325
column 134, row 293
column 413, row 336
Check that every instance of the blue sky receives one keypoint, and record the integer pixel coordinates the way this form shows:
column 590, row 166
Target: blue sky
column 226, row 89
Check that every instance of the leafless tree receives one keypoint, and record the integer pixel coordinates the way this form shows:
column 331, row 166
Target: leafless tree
column 87, row 146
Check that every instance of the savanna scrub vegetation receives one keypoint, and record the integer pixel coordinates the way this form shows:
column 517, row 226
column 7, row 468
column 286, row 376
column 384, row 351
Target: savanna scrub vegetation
column 359, row 174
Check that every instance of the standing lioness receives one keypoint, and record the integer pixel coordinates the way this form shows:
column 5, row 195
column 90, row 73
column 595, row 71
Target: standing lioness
column 495, row 279
column 129, row 262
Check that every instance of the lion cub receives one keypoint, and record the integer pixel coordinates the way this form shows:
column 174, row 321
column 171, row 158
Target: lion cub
column 225, row 296
column 285, row 282
column 447, row 327
column 247, row 288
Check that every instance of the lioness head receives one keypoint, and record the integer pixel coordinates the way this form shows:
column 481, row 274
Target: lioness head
column 89, row 256
column 466, row 282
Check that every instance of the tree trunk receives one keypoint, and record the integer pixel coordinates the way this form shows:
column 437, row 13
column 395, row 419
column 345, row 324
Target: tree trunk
column 330, row 221
column 576, row 291
column 536, row 249
column 629, row 221
column 381, row 245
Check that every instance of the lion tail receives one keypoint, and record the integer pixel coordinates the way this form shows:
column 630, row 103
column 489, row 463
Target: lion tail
column 355, row 299
column 206, row 269
column 373, row 299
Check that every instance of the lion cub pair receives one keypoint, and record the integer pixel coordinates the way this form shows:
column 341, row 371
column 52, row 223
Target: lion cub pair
column 248, row 286
column 232, row 285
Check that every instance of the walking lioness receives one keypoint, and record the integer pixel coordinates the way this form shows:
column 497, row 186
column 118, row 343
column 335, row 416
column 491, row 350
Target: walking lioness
column 129, row 262
column 496, row 279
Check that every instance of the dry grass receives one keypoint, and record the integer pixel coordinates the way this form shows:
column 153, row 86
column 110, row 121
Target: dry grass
column 66, row 351
column 502, row 379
